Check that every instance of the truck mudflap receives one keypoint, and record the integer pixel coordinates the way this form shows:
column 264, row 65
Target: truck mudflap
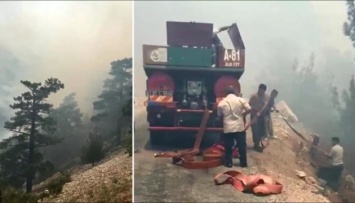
column 183, row 129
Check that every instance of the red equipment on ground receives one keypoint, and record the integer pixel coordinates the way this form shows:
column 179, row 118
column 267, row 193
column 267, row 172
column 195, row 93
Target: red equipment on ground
column 257, row 184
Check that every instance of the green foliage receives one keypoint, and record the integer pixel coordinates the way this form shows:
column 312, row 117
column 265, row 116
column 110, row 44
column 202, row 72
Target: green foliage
column 55, row 186
column 21, row 158
column 127, row 108
column 93, row 152
column 349, row 26
column 127, row 111
column 114, row 96
column 346, row 106
column 10, row 195
column 115, row 89
column 68, row 116
column 127, row 141
column 69, row 129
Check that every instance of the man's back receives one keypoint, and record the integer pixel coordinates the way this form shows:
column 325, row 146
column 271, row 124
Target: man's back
column 232, row 108
column 336, row 154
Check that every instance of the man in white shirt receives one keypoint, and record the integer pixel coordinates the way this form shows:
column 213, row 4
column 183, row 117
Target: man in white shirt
column 332, row 174
column 233, row 109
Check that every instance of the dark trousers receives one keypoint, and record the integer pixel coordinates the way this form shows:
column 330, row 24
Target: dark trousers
column 258, row 129
column 269, row 129
column 240, row 138
column 332, row 175
column 313, row 152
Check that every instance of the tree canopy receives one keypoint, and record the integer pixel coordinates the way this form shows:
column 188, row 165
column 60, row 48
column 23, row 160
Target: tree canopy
column 32, row 126
column 69, row 129
column 116, row 92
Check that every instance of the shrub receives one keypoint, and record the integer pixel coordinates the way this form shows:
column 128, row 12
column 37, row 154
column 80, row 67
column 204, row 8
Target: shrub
column 93, row 152
column 55, row 186
column 128, row 144
column 10, row 195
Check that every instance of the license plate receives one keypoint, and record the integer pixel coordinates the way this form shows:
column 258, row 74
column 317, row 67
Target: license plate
column 159, row 93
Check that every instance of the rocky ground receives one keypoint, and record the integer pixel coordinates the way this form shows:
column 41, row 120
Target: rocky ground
column 159, row 180
column 109, row 181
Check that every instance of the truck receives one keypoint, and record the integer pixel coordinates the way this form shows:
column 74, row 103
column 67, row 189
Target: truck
column 188, row 76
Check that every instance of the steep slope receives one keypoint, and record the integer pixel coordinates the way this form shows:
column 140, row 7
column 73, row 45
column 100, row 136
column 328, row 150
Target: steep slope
column 109, row 181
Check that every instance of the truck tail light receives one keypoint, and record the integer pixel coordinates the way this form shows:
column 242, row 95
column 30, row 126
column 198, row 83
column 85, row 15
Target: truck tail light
column 160, row 81
column 222, row 83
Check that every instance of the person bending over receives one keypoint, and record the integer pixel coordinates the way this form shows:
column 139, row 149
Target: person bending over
column 266, row 111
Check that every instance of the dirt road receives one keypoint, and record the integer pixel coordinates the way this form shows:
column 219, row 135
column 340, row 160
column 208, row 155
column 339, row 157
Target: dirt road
column 157, row 180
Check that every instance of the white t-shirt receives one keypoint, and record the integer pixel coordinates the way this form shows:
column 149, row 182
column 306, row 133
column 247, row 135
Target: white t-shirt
column 232, row 108
column 336, row 154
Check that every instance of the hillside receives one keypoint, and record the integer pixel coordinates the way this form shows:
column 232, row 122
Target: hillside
column 108, row 181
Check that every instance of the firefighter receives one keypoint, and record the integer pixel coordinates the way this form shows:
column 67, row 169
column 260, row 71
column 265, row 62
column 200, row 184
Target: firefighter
column 257, row 102
column 332, row 174
column 231, row 109
column 266, row 111
column 315, row 143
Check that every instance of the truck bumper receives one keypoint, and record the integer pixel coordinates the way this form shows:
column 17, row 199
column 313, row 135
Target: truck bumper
column 191, row 129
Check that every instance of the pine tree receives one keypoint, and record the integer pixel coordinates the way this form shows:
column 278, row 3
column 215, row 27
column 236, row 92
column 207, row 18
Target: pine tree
column 127, row 112
column 93, row 153
column 347, row 113
column 349, row 26
column 21, row 158
column 347, row 110
column 113, row 98
column 69, row 128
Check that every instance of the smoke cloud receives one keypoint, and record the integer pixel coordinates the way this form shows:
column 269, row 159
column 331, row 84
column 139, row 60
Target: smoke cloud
column 73, row 41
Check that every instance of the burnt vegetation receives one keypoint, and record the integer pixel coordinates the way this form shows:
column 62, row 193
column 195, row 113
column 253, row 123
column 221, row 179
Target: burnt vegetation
column 47, row 140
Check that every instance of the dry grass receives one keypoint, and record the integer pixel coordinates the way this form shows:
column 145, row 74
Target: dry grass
column 110, row 181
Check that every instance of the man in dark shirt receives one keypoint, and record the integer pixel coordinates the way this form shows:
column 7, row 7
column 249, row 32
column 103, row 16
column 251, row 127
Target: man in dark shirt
column 257, row 102
column 314, row 146
column 266, row 112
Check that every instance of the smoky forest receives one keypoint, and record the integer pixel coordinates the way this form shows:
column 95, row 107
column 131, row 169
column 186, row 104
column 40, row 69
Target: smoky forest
column 44, row 140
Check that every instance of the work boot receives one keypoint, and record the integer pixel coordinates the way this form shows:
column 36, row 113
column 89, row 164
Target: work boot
column 258, row 148
column 243, row 165
column 229, row 165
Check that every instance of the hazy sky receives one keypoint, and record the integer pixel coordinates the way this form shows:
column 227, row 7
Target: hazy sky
column 74, row 41
column 272, row 31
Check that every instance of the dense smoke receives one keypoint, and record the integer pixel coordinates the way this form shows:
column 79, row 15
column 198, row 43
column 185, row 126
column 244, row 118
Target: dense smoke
column 10, row 68
column 73, row 41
